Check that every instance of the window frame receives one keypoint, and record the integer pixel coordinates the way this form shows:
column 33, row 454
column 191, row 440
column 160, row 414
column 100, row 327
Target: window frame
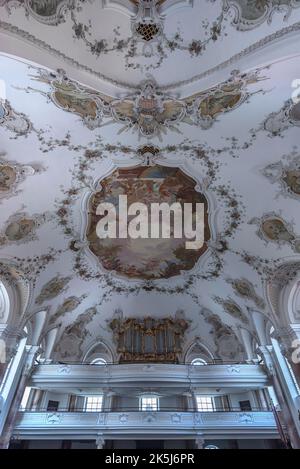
column 99, row 361
column 207, row 404
column 94, row 406
column 200, row 361
column 151, row 397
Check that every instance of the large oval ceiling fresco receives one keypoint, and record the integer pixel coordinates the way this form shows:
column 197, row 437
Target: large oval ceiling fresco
column 141, row 258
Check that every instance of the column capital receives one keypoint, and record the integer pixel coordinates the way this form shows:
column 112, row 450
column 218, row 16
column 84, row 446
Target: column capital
column 200, row 442
column 259, row 322
column 32, row 351
column 100, row 442
column 266, row 352
column 8, row 331
column 295, row 330
column 247, row 338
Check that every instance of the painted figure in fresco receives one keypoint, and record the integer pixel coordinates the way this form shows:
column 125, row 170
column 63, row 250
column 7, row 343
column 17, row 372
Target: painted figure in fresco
column 243, row 288
column 83, row 318
column 232, row 309
column 218, row 103
column 276, row 230
column 70, row 304
column 77, row 103
column 19, row 229
column 52, row 289
column 292, row 180
column 295, row 112
column 7, row 177
column 75, row 334
column 227, row 343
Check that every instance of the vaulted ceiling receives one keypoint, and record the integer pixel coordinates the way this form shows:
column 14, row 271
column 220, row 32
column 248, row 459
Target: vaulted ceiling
column 85, row 91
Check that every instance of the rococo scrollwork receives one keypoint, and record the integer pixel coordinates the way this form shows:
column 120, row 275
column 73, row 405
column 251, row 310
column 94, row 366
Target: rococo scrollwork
column 148, row 111
column 16, row 122
column 251, row 13
column 50, row 12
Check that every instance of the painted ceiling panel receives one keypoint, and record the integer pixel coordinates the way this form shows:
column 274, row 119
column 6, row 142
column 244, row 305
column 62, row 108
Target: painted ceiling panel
column 237, row 138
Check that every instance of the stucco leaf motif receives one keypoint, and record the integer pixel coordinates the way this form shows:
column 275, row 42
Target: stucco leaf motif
column 64, row 369
column 123, row 418
column 245, row 418
column 198, row 419
column 53, row 418
column 149, row 417
column 176, row 418
column 250, row 14
column 233, row 369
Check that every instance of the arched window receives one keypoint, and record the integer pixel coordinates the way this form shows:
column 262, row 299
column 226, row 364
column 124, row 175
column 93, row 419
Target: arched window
column 99, row 361
column 4, row 303
column 198, row 361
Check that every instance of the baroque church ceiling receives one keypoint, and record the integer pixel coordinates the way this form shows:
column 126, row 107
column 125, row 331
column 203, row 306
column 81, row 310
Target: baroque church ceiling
column 198, row 103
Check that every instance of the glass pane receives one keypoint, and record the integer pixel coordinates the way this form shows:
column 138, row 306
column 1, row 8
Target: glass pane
column 25, row 397
column 205, row 403
column 93, row 403
column 199, row 361
column 149, row 403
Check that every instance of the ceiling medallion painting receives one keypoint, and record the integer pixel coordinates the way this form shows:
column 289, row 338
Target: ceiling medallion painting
column 72, row 97
column 250, row 14
column 205, row 107
column 69, row 305
column 74, row 335
column 149, row 111
column 146, row 259
column 52, row 289
column 21, row 228
column 243, row 288
column 50, row 12
column 288, row 116
column 286, row 175
column 11, row 175
column 272, row 228
column 226, row 342
column 232, row 308
column 14, row 121
column 224, row 196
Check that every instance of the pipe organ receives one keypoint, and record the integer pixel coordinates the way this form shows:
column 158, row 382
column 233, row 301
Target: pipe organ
column 148, row 339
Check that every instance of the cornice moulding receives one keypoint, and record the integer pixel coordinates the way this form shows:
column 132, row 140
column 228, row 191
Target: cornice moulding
column 33, row 49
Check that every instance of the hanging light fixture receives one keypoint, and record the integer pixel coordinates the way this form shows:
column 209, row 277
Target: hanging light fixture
column 147, row 23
